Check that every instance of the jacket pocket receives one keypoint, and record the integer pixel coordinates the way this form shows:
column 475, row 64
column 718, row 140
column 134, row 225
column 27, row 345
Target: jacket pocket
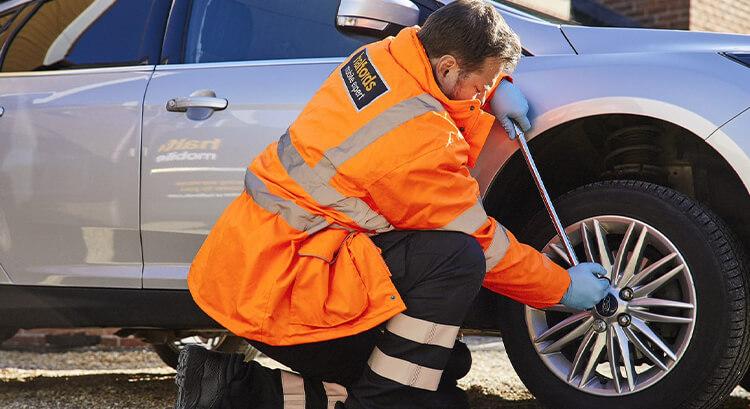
column 328, row 289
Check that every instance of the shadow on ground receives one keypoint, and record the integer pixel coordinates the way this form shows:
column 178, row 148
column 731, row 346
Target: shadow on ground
column 146, row 390
column 480, row 400
column 736, row 403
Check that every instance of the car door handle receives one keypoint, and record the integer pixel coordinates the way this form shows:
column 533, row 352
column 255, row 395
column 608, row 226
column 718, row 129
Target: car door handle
column 182, row 104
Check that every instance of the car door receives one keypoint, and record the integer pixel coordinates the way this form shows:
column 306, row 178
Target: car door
column 73, row 74
column 247, row 70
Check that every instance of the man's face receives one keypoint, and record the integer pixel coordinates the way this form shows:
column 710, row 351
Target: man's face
column 458, row 84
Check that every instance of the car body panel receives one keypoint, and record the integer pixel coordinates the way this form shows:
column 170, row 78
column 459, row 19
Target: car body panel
column 192, row 169
column 4, row 278
column 610, row 40
column 70, row 152
column 732, row 141
column 538, row 37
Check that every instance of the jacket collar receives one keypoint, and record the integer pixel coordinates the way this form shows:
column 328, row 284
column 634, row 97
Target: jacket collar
column 409, row 53
column 473, row 122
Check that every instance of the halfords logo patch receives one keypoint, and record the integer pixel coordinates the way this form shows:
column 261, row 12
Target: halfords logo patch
column 362, row 80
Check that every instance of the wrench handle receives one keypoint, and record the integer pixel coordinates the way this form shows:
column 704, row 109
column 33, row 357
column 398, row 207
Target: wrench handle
column 545, row 196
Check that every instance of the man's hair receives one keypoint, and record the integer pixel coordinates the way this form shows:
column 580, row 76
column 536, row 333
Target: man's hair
column 471, row 31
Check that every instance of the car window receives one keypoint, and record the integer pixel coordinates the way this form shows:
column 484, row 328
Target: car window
column 64, row 34
column 242, row 30
column 535, row 13
column 426, row 7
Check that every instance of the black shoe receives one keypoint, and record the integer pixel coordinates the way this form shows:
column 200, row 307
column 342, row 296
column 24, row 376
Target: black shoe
column 202, row 377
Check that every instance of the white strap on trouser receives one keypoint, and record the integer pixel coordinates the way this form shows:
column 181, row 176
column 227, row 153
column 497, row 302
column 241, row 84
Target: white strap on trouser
column 293, row 387
column 404, row 372
column 421, row 332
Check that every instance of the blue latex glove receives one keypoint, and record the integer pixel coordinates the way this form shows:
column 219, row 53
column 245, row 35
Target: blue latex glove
column 508, row 104
column 586, row 289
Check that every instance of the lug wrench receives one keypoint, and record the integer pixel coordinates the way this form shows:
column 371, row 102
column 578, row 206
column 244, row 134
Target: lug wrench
column 545, row 196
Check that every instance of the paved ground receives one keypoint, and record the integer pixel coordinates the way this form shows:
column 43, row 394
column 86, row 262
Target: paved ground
column 136, row 378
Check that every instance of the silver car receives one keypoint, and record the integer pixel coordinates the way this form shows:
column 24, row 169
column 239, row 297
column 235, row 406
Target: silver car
column 126, row 127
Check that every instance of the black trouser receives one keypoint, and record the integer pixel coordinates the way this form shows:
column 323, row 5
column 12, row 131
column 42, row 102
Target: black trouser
column 399, row 364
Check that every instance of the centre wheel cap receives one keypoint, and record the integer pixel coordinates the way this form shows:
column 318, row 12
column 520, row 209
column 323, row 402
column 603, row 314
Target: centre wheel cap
column 607, row 306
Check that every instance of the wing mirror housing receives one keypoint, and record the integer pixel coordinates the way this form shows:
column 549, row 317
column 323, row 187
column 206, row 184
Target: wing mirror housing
column 383, row 17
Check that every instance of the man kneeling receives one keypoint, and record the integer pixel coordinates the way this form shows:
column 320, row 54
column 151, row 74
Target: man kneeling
column 360, row 240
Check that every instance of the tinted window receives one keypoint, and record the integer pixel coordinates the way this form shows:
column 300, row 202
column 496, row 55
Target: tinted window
column 237, row 30
column 62, row 34
column 426, row 7
column 536, row 13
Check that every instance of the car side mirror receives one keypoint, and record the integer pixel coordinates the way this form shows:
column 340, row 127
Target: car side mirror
column 381, row 16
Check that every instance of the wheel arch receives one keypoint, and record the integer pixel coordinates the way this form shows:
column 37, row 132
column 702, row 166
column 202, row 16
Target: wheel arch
column 621, row 146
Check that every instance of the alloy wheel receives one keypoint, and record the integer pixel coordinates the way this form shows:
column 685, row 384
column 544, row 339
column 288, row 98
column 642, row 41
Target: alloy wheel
column 639, row 331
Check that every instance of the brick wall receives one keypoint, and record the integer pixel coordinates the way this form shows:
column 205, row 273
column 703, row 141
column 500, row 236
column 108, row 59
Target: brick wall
column 673, row 14
column 720, row 15
column 38, row 337
column 701, row 15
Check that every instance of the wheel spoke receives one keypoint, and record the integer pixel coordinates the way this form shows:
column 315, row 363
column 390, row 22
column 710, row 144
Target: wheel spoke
column 622, row 252
column 614, row 367
column 644, row 329
column 560, row 252
column 644, row 350
column 588, row 247
column 649, row 288
column 635, row 257
column 561, row 326
column 648, row 270
column 579, row 354
column 653, row 317
column 627, row 359
column 658, row 302
column 605, row 258
column 596, row 350
column 569, row 337
column 561, row 308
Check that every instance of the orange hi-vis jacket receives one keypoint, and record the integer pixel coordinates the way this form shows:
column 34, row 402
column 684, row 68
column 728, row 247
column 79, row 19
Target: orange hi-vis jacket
column 379, row 147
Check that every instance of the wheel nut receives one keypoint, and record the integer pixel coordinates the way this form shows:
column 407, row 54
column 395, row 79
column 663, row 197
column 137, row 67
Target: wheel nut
column 623, row 320
column 626, row 294
column 600, row 326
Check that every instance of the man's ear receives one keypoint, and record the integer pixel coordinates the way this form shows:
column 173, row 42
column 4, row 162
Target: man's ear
column 445, row 66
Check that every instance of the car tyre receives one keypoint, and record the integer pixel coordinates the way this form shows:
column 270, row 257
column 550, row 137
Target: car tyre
column 716, row 356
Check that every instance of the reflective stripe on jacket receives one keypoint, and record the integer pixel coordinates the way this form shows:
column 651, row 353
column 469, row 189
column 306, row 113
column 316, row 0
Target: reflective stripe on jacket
column 378, row 147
